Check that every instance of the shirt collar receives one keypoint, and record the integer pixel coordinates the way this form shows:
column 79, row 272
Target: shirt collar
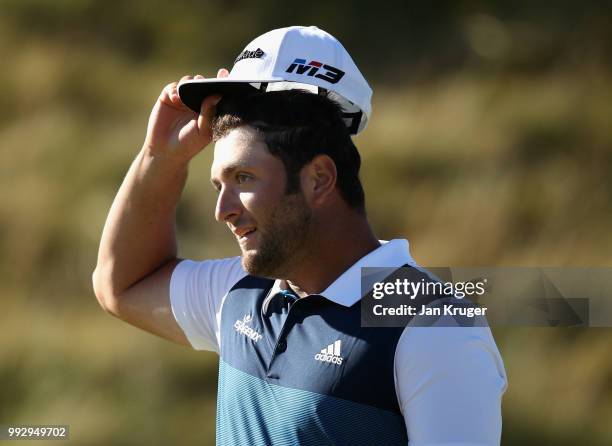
column 346, row 289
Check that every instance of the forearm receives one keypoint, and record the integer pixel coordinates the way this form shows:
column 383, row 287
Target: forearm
column 139, row 233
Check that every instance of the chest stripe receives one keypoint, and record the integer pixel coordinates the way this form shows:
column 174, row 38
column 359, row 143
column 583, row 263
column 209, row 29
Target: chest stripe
column 253, row 411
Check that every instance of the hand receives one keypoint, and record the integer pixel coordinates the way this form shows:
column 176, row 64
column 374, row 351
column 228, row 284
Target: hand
column 176, row 130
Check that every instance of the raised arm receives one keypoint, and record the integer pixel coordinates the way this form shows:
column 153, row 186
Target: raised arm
column 138, row 251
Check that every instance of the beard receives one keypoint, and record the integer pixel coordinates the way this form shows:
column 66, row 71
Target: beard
column 283, row 239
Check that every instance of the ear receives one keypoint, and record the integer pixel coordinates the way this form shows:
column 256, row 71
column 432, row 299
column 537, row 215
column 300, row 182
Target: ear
column 318, row 179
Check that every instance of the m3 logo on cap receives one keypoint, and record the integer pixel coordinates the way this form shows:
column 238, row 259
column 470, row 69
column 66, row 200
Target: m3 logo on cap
column 331, row 75
column 246, row 54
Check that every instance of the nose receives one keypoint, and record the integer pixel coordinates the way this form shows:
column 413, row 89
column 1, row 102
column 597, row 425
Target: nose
column 228, row 205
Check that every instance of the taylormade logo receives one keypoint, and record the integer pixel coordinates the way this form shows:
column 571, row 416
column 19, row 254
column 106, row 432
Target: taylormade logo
column 246, row 54
column 331, row 353
column 242, row 327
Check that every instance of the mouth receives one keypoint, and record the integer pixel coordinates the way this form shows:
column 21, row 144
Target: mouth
column 244, row 234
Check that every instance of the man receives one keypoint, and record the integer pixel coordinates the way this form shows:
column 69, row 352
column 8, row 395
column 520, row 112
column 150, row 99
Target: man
column 296, row 366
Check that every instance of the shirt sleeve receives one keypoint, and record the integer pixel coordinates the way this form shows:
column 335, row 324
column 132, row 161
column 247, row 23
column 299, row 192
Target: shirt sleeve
column 197, row 293
column 449, row 382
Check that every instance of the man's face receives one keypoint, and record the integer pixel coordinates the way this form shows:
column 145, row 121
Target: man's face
column 272, row 228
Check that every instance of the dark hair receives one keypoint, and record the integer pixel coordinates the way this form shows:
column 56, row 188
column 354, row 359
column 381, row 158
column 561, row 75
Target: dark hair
column 297, row 126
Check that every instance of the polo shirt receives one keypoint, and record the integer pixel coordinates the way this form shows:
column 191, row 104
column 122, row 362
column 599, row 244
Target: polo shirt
column 304, row 372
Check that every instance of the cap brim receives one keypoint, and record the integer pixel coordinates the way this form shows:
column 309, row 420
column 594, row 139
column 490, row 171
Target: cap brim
column 193, row 92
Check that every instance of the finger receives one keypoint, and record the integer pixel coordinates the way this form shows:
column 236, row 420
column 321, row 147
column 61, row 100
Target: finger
column 222, row 73
column 198, row 76
column 207, row 112
column 175, row 96
column 170, row 96
column 176, row 99
column 167, row 93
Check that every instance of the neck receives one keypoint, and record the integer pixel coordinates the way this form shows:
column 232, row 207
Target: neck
column 333, row 248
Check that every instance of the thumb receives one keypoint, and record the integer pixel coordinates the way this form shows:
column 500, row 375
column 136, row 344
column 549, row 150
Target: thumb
column 207, row 113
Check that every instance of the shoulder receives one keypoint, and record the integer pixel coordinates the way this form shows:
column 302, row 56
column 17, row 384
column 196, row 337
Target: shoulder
column 213, row 274
column 448, row 355
column 197, row 295
column 452, row 373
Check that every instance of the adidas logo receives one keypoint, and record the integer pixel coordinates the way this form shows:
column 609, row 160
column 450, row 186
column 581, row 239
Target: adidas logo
column 331, row 353
column 242, row 327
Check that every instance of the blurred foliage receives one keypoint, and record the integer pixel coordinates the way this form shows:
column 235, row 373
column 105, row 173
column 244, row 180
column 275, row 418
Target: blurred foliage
column 490, row 144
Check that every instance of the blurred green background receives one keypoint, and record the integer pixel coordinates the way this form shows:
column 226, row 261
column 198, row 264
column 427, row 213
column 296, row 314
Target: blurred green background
column 490, row 144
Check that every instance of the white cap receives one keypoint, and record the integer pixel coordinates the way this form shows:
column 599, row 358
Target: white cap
column 288, row 58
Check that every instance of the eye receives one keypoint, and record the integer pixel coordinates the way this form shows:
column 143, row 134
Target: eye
column 242, row 178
